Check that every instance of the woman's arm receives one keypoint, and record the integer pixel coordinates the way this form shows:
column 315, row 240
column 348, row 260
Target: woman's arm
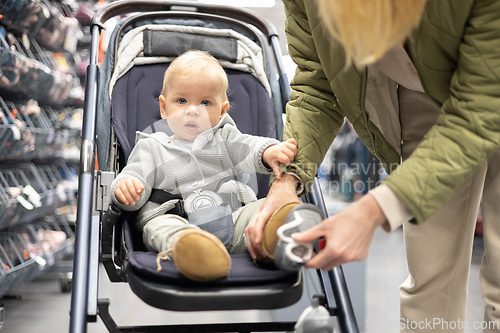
column 313, row 114
column 468, row 130
column 313, row 119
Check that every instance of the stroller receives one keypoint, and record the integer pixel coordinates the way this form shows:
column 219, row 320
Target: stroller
column 122, row 98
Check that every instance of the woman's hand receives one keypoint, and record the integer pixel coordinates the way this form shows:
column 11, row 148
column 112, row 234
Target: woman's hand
column 281, row 192
column 348, row 234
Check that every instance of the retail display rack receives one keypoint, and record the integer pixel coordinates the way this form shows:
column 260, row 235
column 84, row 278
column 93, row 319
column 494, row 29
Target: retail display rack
column 42, row 69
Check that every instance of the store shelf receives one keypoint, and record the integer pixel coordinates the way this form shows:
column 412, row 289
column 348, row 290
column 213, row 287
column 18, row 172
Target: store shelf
column 41, row 99
column 26, row 136
column 42, row 20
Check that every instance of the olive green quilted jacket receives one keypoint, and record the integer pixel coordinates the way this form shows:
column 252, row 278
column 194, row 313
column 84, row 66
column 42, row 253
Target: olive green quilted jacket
column 456, row 51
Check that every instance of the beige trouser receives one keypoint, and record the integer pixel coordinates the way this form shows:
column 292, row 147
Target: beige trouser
column 433, row 297
column 159, row 233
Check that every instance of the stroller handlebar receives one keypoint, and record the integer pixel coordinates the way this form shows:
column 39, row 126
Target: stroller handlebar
column 133, row 6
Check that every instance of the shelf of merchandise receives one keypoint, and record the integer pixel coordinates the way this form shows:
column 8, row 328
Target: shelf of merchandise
column 38, row 183
column 41, row 99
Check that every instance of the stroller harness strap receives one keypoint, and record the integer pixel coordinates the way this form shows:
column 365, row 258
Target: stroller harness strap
column 160, row 196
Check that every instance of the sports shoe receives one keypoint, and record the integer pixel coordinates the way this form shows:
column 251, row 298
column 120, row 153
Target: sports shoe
column 199, row 255
column 291, row 255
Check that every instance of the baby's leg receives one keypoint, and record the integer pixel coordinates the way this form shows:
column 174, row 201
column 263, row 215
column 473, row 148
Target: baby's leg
column 197, row 254
column 159, row 233
column 241, row 218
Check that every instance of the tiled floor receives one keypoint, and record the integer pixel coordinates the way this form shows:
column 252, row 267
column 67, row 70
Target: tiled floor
column 386, row 270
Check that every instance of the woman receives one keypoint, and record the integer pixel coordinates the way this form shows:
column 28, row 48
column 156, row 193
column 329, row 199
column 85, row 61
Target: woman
column 419, row 81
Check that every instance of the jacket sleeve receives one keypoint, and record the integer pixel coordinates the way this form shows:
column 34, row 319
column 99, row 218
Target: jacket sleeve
column 313, row 115
column 468, row 130
column 141, row 164
column 245, row 151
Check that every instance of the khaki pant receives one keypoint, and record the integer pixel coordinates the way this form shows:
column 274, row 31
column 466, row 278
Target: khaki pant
column 433, row 297
column 159, row 233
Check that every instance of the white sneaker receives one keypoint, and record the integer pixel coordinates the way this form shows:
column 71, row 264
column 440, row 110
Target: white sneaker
column 291, row 255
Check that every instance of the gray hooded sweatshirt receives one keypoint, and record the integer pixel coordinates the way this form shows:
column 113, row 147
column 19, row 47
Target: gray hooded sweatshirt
column 182, row 167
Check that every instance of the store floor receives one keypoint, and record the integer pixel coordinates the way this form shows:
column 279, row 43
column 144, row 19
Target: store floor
column 41, row 307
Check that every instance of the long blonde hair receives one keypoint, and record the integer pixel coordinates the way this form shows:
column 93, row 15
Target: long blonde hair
column 367, row 29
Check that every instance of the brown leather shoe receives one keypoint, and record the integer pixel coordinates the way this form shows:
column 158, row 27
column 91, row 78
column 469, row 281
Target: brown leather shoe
column 200, row 256
column 269, row 236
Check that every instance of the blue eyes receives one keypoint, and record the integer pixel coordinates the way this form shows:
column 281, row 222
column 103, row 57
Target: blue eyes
column 184, row 101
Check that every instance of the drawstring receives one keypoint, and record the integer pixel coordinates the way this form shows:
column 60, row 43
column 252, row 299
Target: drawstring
column 161, row 256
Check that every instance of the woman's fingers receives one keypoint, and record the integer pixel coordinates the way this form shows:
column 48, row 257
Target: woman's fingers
column 282, row 191
column 276, row 169
column 253, row 232
column 309, row 235
column 348, row 234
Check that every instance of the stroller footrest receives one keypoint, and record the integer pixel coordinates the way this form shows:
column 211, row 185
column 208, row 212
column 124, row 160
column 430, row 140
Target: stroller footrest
column 110, row 324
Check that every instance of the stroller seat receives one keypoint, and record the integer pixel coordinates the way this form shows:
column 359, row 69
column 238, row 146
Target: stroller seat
column 260, row 288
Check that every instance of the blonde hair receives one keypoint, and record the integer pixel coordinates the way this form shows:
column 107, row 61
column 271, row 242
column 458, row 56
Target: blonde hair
column 195, row 62
column 367, row 29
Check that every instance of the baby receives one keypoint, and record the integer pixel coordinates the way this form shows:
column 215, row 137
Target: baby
column 193, row 205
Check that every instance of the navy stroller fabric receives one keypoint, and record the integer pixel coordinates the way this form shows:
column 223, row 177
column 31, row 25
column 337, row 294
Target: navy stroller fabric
column 243, row 270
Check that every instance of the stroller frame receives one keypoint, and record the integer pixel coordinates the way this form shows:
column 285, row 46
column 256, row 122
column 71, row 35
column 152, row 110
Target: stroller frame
column 93, row 199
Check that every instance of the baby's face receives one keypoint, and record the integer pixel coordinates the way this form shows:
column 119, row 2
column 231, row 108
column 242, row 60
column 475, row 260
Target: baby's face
column 192, row 105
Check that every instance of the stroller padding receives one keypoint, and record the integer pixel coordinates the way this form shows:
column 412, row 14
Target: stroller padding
column 263, row 288
column 173, row 44
column 243, row 270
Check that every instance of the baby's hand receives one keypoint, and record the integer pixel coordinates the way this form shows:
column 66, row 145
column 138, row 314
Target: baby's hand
column 128, row 190
column 283, row 152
